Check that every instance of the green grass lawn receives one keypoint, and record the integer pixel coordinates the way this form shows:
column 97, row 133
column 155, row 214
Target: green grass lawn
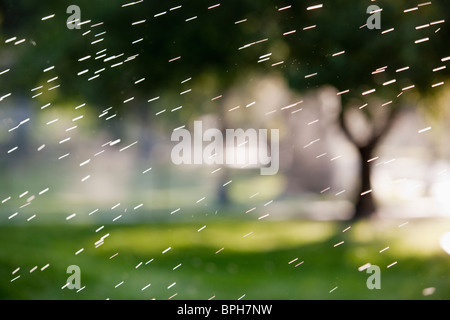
column 226, row 260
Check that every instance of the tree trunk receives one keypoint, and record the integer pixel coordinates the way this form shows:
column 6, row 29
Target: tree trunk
column 223, row 197
column 365, row 204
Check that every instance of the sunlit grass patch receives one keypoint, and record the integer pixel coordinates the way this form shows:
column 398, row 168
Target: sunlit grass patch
column 226, row 259
column 403, row 238
column 235, row 236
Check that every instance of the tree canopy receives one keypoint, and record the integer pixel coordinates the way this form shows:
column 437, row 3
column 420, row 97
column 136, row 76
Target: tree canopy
column 168, row 42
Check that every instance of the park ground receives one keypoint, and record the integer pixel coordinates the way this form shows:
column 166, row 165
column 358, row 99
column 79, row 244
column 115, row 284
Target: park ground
column 227, row 259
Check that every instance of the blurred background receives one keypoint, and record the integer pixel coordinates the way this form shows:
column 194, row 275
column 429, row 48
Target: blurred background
column 89, row 98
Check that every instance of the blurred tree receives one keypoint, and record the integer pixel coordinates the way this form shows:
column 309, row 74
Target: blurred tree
column 377, row 72
column 121, row 44
column 138, row 57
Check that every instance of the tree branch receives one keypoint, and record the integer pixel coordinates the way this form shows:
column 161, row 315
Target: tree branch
column 385, row 128
column 376, row 135
column 345, row 128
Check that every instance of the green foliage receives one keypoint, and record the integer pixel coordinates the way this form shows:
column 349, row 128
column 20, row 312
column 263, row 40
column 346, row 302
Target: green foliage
column 209, row 45
column 340, row 26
